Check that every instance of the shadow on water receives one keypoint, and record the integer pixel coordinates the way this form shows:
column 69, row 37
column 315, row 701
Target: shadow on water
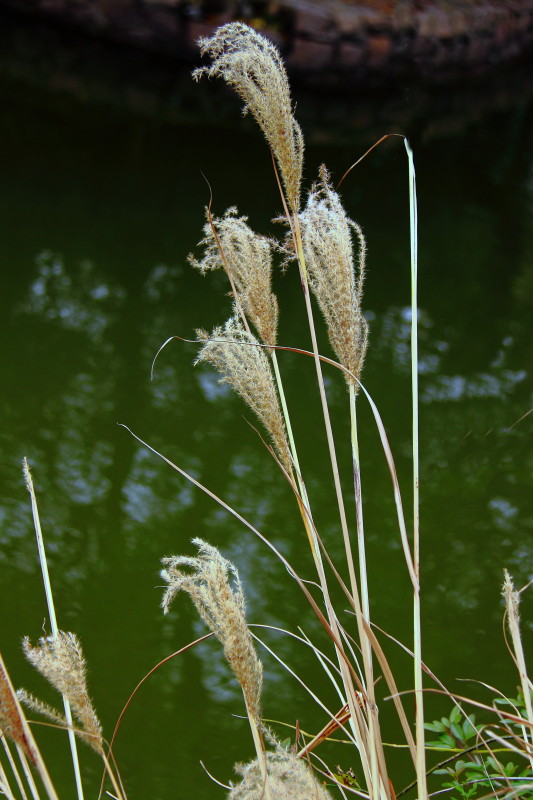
column 99, row 206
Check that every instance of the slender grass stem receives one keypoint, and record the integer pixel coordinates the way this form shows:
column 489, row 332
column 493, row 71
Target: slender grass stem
column 307, row 518
column 119, row 789
column 306, row 510
column 14, row 768
column 5, row 787
column 512, row 600
column 260, row 750
column 53, row 619
column 28, row 774
column 302, row 683
column 417, row 631
column 363, row 577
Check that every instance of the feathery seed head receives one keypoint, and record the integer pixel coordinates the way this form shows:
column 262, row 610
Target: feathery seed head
column 61, row 661
column 214, row 586
column 252, row 66
column 247, row 257
column 512, row 601
column 327, row 234
column 244, row 364
column 289, row 778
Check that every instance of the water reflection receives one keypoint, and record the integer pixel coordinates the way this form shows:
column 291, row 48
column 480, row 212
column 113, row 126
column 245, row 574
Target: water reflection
column 81, row 302
column 77, row 459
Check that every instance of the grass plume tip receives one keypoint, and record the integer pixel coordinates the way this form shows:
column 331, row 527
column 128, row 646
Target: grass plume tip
column 61, row 661
column 213, row 584
column 247, row 257
column 251, row 65
column 244, row 365
column 336, row 280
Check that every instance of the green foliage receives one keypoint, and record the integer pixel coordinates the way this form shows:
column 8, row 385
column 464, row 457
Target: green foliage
column 475, row 772
column 454, row 732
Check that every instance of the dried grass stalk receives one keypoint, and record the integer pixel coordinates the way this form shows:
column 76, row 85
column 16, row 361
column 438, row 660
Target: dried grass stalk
column 215, row 589
column 14, row 725
column 247, row 257
column 512, row 603
column 244, row 364
column 252, row 66
column 12, row 722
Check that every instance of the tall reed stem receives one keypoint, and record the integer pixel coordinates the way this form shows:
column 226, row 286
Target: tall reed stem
column 306, row 510
column 259, row 749
column 308, row 522
column 417, row 631
column 512, row 600
column 363, row 577
column 28, row 774
column 53, row 619
column 5, row 787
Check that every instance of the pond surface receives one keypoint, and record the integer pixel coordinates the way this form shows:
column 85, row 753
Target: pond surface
column 99, row 207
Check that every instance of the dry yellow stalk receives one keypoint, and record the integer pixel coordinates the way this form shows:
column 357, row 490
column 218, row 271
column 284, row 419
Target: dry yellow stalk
column 215, row 589
column 12, row 723
column 512, row 603
column 247, row 257
column 252, row 66
column 61, row 661
column 328, row 248
column 244, row 364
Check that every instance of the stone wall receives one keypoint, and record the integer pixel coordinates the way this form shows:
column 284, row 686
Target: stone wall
column 324, row 43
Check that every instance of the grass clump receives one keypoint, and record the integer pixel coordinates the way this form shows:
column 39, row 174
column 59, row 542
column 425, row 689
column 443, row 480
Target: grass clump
column 329, row 251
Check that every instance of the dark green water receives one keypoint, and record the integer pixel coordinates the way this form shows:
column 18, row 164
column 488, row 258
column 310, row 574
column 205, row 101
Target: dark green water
column 99, row 208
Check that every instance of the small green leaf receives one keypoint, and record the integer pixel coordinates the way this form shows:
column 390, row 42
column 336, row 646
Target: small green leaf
column 436, row 726
column 456, row 714
column 436, row 743
column 446, row 740
column 469, row 729
column 457, row 731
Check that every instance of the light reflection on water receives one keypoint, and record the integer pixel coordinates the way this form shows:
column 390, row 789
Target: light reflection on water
column 89, row 308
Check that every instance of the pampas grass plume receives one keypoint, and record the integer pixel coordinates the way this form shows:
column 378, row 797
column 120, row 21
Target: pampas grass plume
column 214, row 586
column 243, row 363
column 290, row 778
column 247, row 257
column 327, row 236
column 60, row 660
column 252, row 66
